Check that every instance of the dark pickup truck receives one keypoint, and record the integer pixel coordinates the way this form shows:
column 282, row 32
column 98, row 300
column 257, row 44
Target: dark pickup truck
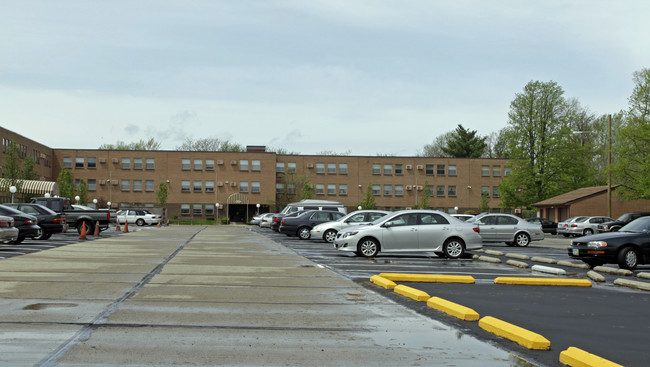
column 75, row 217
column 620, row 221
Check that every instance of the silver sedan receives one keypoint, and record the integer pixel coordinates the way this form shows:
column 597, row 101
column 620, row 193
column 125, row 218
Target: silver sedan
column 411, row 231
column 327, row 231
column 514, row 231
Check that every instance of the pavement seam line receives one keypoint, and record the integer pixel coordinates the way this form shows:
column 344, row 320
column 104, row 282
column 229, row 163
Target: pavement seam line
column 85, row 332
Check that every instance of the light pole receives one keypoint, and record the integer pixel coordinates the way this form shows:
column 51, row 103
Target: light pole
column 76, row 199
column 217, row 206
column 258, row 209
column 13, row 190
column 95, row 202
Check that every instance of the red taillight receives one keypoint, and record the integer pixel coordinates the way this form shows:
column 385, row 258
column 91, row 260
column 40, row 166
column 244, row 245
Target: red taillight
column 4, row 223
column 29, row 222
column 108, row 216
column 283, row 223
column 477, row 229
column 276, row 219
column 59, row 220
column 574, row 225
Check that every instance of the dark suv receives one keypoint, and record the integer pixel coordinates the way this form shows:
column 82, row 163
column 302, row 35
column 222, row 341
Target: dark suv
column 621, row 221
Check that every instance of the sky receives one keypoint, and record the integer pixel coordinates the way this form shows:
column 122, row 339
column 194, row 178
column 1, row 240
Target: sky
column 357, row 77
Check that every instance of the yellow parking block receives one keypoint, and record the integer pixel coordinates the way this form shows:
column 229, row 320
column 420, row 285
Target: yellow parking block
column 383, row 282
column 453, row 309
column 543, row 281
column 579, row 358
column 429, row 278
column 515, row 333
column 417, row 295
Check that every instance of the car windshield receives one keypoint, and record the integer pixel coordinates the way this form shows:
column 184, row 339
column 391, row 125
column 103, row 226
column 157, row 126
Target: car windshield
column 640, row 225
column 379, row 220
column 624, row 218
column 581, row 219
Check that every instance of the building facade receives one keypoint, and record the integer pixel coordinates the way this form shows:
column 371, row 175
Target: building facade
column 238, row 182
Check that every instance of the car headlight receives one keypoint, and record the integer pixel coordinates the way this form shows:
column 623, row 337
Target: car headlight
column 597, row 244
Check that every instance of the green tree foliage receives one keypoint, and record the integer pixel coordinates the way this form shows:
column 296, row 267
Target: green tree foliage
column 369, row 199
column 484, row 204
column 81, row 190
column 11, row 169
column 29, row 170
column 150, row 144
column 66, row 184
column 307, row 191
column 210, row 145
column 424, row 197
column 632, row 146
column 436, row 149
column 161, row 198
column 463, row 143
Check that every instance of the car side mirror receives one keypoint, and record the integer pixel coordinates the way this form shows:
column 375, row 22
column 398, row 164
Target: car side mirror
column 388, row 224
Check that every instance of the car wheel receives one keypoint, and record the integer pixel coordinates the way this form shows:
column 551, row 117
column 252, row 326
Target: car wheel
column 139, row 222
column 368, row 247
column 588, row 232
column 522, row 239
column 90, row 228
column 304, row 233
column 628, row 258
column 329, row 235
column 18, row 240
column 453, row 248
column 41, row 234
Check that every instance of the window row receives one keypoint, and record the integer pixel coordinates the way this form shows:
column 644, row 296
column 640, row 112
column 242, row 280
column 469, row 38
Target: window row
column 398, row 190
column 197, row 209
column 495, row 171
column 125, row 163
column 485, row 190
column 199, row 164
column 429, row 169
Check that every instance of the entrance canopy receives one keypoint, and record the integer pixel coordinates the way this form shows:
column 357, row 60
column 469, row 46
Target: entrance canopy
column 31, row 187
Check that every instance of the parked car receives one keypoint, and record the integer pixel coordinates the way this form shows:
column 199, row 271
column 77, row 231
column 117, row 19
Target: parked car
column 327, row 231
column 49, row 221
column 463, row 217
column 586, row 226
column 138, row 216
column 303, row 205
column 548, row 226
column 76, row 218
column 514, row 231
column 256, row 219
column 627, row 247
column 563, row 227
column 8, row 233
column 620, row 221
column 411, row 231
column 27, row 224
column 276, row 220
column 302, row 224
column 265, row 220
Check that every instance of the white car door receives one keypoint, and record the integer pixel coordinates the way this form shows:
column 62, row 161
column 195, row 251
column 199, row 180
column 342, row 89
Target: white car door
column 400, row 233
column 433, row 231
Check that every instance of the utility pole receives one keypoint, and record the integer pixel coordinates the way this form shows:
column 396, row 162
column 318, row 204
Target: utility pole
column 609, row 166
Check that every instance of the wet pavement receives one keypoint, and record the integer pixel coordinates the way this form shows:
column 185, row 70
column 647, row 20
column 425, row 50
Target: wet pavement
column 206, row 296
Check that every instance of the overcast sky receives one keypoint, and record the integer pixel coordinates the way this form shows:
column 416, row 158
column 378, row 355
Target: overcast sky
column 363, row 77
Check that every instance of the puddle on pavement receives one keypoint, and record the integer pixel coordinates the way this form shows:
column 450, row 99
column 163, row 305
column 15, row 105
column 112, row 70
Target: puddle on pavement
column 43, row 306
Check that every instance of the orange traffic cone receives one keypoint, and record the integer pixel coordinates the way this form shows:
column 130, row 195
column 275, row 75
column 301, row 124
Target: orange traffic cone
column 82, row 235
column 117, row 227
column 126, row 226
column 158, row 224
column 97, row 228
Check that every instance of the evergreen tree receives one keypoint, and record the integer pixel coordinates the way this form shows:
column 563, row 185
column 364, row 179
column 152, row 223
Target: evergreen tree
column 368, row 200
column 464, row 143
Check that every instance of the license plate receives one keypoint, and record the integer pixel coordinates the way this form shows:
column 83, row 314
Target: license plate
column 576, row 252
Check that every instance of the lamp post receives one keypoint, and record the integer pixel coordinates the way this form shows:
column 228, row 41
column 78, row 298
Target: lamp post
column 95, row 202
column 76, row 199
column 258, row 209
column 109, row 204
column 13, row 190
column 217, row 207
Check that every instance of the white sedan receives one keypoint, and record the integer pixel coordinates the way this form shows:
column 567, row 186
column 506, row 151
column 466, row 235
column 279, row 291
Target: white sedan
column 411, row 231
column 327, row 231
column 137, row 216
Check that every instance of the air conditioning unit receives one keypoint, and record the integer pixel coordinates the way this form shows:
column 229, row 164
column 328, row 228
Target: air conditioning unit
column 408, row 166
column 102, row 160
column 220, row 184
column 102, row 182
column 115, row 160
column 419, row 188
column 220, row 162
column 517, row 211
column 409, row 188
column 310, row 165
column 420, row 167
column 233, row 184
column 233, row 162
column 114, row 182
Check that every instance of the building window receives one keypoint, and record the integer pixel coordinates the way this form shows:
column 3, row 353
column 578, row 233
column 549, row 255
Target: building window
column 331, row 189
column 92, row 162
column 376, row 190
column 198, row 164
column 399, row 190
column 399, row 169
column 243, row 164
column 451, row 190
column 428, row 189
column 291, row 189
column 137, row 185
column 185, row 164
column 67, row 162
column 331, row 168
column 148, row 185
column 343, row 189
column 320, row 189
column 279, row 167
column 496, row 171
column 209, row 166
column 485, row 171
column 92, row 184
column 256, row 165
column 376, row 169
column 185, row 186
column 185, row 209
column 440, row 171
column 495, row 191
column 388, row 169
column 209, row 208
column 485, row 191
column 429, row 169
column 243, row 186
column 320, row 168
column 209, row 186
column 125, row 185
column 343, row 168
column 150, row 163
column 126, row 163
column 79, row 162
column 451, row 170
column 137, row 163
column 255, row 186
column 388, row 190
column 440, row 190
column 291, row 167
column 279, row 188
column 197, row 209
column 198, row 186
column 507, row 171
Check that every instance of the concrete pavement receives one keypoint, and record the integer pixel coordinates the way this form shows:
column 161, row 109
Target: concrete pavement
column 207, row 296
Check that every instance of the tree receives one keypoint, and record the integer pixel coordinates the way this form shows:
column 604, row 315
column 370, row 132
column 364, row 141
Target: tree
column 495, row 145
column 307, row 191
column 632, row 146
column 66, row 183
column 435, row 149
column 12, row 166
column 463, row 143
column 333, row 153
column 424, row 197
column 29, row 170
column 484, row 204
column 82, row 191
column 161, row 198
column 210, row 145
column 150, row 144
column 369, row 199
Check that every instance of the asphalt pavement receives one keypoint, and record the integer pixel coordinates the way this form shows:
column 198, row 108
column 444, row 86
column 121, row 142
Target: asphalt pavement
column 209, row 296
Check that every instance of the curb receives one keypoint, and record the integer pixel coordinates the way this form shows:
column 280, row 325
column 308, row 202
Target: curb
column 428, row 278
column 518, row 256
column 519, row 264
column 453, row 309
column 606, row 269
column 548, row 269
column 543, row 281
column 643, row 275
column 544, row 260
column 382, row 282
column 634, row 284
column 512, row 332
column 489, row 259
column 578, row 357
column 595, row 276
column 411, row 293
